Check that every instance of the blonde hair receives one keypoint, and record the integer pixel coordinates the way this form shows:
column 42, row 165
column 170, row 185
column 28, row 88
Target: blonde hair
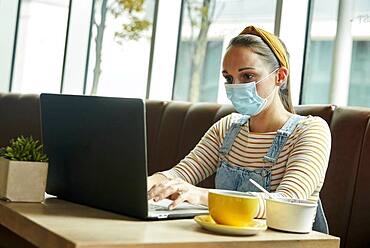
column 258, row 46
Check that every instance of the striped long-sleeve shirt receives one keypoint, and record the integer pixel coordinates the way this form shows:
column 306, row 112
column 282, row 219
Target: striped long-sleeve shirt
column 298, row 173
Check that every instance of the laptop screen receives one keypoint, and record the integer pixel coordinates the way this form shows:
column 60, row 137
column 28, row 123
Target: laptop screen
column 97, row 151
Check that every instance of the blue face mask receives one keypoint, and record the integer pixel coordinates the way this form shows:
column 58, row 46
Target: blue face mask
column 245, row 98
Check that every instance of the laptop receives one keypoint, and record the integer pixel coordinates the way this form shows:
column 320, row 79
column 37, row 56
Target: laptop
column 97, row 155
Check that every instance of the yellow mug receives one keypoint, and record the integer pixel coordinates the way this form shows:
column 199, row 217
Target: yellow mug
column 233, row 208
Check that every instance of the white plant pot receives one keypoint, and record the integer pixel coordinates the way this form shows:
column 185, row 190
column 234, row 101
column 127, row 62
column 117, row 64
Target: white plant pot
column 22, row 181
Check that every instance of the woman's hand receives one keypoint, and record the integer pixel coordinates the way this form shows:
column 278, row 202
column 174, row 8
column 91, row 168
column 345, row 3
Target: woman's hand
column 156, row 179
column 179, row 191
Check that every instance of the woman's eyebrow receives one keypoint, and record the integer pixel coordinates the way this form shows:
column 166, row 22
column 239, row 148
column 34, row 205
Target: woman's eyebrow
column 241, row 69
column 245, row 68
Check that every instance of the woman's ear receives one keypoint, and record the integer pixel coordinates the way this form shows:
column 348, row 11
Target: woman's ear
column 282, row 76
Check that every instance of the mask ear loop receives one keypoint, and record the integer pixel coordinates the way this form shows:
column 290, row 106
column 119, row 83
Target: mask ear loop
column 273, row 90
column 267, row 76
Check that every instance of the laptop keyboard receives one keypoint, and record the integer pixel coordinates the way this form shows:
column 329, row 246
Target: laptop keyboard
column 153, row 207
column 159, row 210
column 163, row 206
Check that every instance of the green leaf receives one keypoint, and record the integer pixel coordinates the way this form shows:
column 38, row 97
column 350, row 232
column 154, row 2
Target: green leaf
column 24, row 149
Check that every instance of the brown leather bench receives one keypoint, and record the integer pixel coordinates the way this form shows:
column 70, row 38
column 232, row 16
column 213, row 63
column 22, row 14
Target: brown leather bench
column 174, row 128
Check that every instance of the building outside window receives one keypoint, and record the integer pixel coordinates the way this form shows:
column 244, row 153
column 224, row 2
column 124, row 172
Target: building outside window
column 316, row 87
column 359, row 90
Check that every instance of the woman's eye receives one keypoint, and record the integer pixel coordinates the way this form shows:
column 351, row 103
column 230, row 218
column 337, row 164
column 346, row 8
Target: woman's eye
column 229, row 79
column 247, row 77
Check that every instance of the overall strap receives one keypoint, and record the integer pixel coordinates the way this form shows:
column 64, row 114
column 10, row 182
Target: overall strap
column 281, row 138
column 231, row 134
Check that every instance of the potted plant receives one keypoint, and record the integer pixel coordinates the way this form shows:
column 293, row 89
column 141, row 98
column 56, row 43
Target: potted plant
column 23, row 170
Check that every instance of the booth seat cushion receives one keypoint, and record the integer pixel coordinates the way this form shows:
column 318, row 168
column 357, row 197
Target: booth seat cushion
column 348, row 128
column 324, row 111
column 349, row 177
column 19, row 115
column 174, row 128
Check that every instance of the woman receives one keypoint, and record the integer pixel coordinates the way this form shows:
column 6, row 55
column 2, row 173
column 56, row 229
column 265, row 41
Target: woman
column 285, row 153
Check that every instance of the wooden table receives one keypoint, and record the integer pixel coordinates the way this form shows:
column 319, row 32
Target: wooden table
column 58, row 223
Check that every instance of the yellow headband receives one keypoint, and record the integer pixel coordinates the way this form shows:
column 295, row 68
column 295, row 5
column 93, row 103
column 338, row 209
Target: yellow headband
column 272, row 41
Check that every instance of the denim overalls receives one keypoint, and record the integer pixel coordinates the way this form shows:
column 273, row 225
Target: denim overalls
column 237, row 178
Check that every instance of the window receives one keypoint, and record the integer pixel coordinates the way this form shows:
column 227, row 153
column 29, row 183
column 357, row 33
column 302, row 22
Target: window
column 316, row 87
column 320, row 52
column 359, row 91
column 8, row 24
column 208, row 89
column 120, row 50
column 40, row 46
column 121, row 58
column 207, row 27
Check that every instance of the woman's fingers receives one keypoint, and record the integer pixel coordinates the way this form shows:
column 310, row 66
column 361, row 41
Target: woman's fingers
column 178, row 191
column 164, row 190
column 155, row 179
column 180, row 198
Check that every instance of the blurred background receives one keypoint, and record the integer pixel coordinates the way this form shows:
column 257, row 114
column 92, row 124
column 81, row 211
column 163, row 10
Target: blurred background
column 172, row 49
